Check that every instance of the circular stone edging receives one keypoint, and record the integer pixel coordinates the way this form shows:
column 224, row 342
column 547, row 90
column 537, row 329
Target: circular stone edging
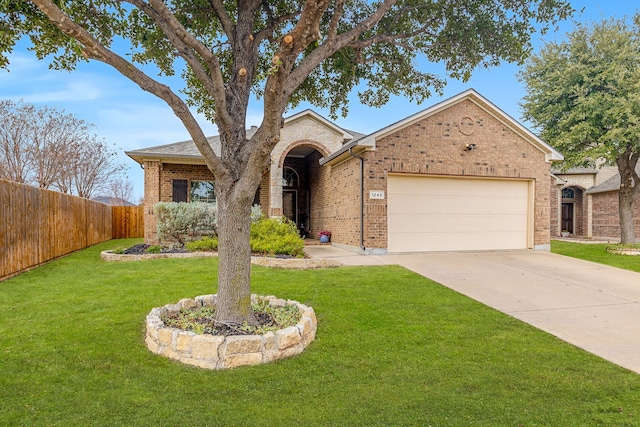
column 220, row 352
column 624, row 251
column 285, row 263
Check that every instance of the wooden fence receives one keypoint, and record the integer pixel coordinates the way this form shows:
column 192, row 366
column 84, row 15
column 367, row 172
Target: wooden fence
column 39, row 225
column 127, row 221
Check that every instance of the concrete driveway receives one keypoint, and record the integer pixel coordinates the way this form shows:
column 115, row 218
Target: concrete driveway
column 589, row 305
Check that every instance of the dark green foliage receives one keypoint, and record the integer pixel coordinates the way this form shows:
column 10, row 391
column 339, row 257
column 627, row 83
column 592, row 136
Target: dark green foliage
column 380, row 63
column 275, row 236
column 582, row 92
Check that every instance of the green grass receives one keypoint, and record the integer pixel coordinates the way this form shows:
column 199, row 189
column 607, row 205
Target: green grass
column 392, row 349
column 595, row 252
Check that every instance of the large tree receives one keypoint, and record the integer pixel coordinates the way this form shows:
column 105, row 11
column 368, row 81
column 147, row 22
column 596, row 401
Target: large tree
column 51, row 149
column 284, row 51
column 584, row 97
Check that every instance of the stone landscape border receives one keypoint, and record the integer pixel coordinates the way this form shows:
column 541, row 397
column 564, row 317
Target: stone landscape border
column 220, row 352
column 624, row 251
column 285, row 263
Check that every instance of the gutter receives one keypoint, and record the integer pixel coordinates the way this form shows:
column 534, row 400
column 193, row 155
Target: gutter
column 361, row 197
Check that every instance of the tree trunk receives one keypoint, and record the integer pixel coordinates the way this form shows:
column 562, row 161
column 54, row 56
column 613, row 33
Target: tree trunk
column 629, row 191
column 626, row 199
column 234, row 254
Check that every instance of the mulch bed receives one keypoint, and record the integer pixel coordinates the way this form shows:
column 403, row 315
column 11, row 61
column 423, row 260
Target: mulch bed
column 141, row 249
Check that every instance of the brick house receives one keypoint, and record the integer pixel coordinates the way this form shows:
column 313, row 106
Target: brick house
column 585, row 203
column 460, row 175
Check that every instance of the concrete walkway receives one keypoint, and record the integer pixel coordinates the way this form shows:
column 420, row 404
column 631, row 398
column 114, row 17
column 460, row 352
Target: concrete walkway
column 592, row 306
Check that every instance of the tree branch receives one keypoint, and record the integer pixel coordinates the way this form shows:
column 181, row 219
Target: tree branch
column 95, row 50
column 224, row 18
column 308, row 64
column 184, row 42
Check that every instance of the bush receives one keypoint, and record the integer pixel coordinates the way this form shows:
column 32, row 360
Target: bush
column 274, row 236
column 204, row 244
column 256, row 213
column 181, row 222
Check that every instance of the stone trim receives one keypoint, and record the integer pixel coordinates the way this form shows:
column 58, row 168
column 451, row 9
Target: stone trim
column 284, row 263
column 624, row 251
column 220, row 352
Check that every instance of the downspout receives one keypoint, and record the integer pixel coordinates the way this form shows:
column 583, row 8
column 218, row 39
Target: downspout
column 361, row 198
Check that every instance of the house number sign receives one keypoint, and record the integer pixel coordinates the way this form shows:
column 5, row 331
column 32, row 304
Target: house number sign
column 376, row 194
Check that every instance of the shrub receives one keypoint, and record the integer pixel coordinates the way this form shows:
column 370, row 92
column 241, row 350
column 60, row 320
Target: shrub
column 153, row 249
column 181, row 222
column 275, row 236
column 256, row 213
column 203, row 244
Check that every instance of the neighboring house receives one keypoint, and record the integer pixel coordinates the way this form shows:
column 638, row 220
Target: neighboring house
column 113, row 201
column 585, row 203
column 460, row 175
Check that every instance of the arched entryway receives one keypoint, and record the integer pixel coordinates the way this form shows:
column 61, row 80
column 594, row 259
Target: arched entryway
column 572, row 212
column 301, row 183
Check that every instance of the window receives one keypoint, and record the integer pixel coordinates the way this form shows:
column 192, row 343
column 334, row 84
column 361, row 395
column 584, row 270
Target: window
column 179, row 190
column 568, row 193
column 290, row 177
column 202, row 191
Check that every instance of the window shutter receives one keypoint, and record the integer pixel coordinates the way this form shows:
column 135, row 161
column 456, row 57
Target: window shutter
column 179, row 190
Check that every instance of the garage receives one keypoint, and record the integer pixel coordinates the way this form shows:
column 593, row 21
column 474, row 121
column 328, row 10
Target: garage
column 451, row 214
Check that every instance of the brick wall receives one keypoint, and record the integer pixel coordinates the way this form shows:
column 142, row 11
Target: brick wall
column 435, row 146
column 335, row 201
column 159, row 188
column 606, row 223
column 554, row 209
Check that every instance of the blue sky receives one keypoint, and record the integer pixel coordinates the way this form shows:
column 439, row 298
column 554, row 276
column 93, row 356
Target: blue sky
column 126, row 116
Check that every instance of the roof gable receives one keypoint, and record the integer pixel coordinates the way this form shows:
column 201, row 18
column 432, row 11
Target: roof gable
column 486, row 105
column 186, row 151
column 312, row 115
column 369, row 141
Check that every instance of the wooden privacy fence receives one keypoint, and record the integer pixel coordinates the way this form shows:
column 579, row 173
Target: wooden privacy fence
column 39, row 225
column 127, row 221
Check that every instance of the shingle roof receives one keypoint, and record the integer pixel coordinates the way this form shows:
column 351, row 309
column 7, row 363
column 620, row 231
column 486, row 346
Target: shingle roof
column 187, row 150
column 612, row 184
column 574, row 171
column 179, row 150
column 113, row 201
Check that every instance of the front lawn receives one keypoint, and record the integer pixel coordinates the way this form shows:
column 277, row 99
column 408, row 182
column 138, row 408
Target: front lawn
column 596, row 252
column 392, row 349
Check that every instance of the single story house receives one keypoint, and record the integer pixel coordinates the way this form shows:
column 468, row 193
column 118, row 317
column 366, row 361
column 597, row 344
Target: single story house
column 585, row 203
column 460, row 175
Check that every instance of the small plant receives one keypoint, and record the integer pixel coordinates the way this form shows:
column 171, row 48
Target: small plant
column 154, row 249
column 324, row 233
column 182, row 222
column 202, row 320
column 276, row 236
column 205, row 244
column 118, row 251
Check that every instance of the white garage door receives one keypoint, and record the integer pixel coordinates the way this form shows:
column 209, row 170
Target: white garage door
column 450, row 214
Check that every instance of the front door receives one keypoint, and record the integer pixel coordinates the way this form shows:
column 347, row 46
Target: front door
column 290, row 205
column 567, row 217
